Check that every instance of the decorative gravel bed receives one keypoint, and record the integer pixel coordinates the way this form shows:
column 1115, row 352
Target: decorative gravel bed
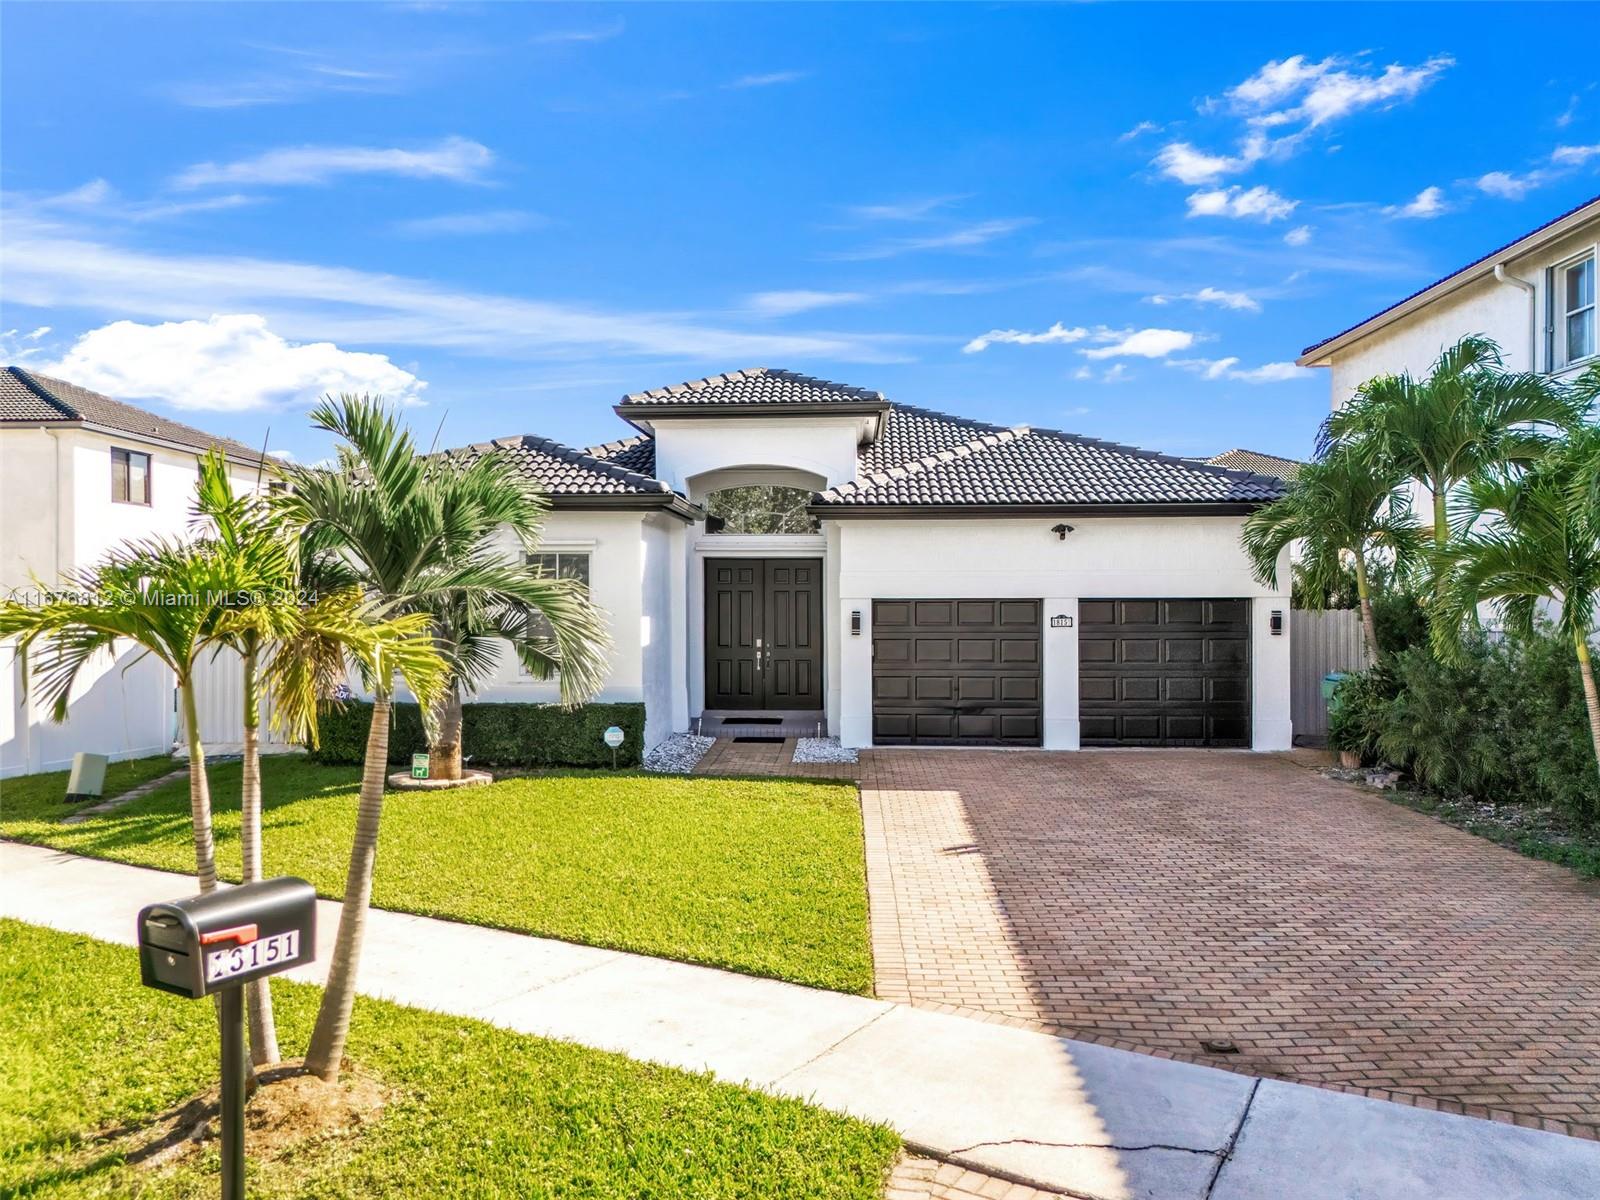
column 678, row 754
column 822, row 750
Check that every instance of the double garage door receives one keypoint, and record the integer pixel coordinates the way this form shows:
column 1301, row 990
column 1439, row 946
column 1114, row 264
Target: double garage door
column 1150, row 672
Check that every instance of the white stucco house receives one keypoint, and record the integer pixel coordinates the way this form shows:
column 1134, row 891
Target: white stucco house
column 1535, row 296
column 952, row 582
column 79, row 473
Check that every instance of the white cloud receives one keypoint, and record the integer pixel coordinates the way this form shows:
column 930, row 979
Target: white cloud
column 1565, row 117
column 1316, row 93
column 1116, row 373
column 18, row 347
column 770, row 79
column 1228, row 368
column 1427, row 204
column 1058, row 334
column 1139, row 130
column 597, row 33
column 1259, row 203
column 1140, row 343
column 1241, row 301
column 454, row 158
column 965, row 237
column 1574, row 156
column 1186, row 164
column 1300, row 235
column 904, row 210
column 784, row 304
column 1562, row 161
column 99, row 198
column 469, row 224
column 47, row 266
column 1084, row 372
column 229, row 363
column 1508, row 186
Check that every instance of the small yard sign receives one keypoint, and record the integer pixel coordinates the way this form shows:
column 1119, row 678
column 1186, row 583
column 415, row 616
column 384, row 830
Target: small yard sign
column 419, row 766
column 614, row 737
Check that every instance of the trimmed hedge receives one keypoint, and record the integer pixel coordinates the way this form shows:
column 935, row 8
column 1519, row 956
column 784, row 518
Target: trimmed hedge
column 494, row 735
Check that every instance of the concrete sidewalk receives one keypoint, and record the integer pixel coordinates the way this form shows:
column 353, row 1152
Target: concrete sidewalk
column 1077, row 1118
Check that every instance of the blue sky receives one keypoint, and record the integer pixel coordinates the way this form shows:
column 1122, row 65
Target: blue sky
column 1121, row 220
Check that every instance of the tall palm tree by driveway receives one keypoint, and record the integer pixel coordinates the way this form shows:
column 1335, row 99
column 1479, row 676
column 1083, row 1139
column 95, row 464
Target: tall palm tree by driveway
column 1467, row 416
column 162, row 595
column 296, row 638
column 1540, row 543
column 421, row 535
column 1341, row 509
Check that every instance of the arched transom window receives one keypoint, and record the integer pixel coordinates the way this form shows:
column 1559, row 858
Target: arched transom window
column 759, row 508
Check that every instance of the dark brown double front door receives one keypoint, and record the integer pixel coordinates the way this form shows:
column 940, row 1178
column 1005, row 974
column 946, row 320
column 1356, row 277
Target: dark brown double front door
column 764, row 633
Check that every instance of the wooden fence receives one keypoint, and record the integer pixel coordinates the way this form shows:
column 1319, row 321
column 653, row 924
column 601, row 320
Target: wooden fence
column 1320, row 642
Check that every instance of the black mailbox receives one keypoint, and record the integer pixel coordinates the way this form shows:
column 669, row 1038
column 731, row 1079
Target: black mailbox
column 219, row 940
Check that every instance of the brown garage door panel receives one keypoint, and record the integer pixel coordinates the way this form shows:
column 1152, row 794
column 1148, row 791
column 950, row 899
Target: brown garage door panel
column 1164, row 672
column 956, row 672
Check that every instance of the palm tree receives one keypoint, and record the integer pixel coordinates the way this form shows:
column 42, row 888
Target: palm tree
column 164, row 596
column 1541, row 544
column 1469, row 415
column 1341, row 509
column 242, row 528
column 421, row 535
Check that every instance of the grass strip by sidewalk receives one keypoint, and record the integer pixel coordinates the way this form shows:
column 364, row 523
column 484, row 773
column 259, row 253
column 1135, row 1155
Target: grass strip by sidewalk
column 764, row 876
column 42, row 797
column 474, row 1111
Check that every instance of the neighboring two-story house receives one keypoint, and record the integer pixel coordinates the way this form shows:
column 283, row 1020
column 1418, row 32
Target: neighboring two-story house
column 1535, row 296
column 80, row 473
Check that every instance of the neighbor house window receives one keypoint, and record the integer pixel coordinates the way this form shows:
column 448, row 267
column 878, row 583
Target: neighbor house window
column 760, row 508
column 130, row 477
column 1572, row 324
column 557, row 564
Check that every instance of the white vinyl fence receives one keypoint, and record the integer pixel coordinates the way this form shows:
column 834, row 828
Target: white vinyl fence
column 1320, row 642
column 219, row 693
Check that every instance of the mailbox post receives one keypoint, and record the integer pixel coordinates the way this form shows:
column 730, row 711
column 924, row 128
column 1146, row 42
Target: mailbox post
column 214, row 944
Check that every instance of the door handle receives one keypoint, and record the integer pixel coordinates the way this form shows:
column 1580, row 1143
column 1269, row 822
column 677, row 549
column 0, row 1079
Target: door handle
column 758, row 655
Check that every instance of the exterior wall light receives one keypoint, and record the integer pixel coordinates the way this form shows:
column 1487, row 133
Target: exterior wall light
column 1061, row 531
column 855, row 623
column 1276, row 623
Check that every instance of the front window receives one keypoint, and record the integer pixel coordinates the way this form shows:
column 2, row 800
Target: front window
column 557, row 564
column 760, row 508
column 1573, row 323
column 130, row 477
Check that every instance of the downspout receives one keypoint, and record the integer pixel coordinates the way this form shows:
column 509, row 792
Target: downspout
column 1533, row 314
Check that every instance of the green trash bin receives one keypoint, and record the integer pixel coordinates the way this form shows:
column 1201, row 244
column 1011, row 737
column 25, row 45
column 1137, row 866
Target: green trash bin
column 1331, row 682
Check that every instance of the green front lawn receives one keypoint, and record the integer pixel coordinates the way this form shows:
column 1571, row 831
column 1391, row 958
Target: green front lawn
column 764, row 876
column 41, row 797
column 472, row 1110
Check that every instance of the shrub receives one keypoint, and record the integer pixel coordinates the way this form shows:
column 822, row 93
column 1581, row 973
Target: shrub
column 1359, row 711
column 502, row 735
column 1506, row 724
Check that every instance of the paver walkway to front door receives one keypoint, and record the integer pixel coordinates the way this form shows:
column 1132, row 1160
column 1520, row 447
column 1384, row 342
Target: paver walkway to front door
column 1155, row 900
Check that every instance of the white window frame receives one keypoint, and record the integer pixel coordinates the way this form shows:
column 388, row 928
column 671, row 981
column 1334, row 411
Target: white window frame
column 558, row 552
column 1556, row 327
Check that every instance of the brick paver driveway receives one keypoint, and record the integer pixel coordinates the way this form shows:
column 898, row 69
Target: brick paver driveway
column 1158, row 899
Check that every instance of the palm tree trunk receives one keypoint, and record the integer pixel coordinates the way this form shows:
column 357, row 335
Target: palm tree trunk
column 1441, row 516
column 1591, row 697
column 258, row 995
column 333, row 1018
column 1364, row 594
column 444, row 755
column 205, row 846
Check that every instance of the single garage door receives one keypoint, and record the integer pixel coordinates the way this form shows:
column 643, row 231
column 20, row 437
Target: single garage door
column 1164, row 672
column 955, row 672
